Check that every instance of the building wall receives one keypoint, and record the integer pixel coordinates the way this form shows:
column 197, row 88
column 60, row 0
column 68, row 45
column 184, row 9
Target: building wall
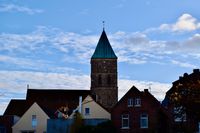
column 25, row 123
column 149, row 105
column 104, row 81
column 96, row 111
column 6, row 123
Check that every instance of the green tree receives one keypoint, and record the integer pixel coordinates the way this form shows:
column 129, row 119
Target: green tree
column 105, row 127
column 186, row 101
column 77, row 123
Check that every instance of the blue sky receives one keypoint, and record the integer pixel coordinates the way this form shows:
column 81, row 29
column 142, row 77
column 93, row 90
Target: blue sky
column 48, row 44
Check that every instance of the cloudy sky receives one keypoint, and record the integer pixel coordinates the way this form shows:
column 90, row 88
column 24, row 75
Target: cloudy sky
column 48, row 44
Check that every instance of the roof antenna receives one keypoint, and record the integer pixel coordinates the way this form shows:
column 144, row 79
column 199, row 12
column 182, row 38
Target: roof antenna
column 27, row 86
column 103, row 25
column 150, row 87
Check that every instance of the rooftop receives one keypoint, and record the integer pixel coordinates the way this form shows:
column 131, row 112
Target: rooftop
column 104, row 49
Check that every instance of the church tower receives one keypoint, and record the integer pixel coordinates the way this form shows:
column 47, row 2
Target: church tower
column 104, row 73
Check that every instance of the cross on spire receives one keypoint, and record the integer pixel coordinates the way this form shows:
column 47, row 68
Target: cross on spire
column 103, row 24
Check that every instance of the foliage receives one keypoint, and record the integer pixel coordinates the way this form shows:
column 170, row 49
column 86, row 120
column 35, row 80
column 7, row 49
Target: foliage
column 77, row 123
column 79, row 127
column 104, row 127
column 186, row 101
column 87, row 129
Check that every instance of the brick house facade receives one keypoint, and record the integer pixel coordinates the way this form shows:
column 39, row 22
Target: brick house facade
column 139, row 112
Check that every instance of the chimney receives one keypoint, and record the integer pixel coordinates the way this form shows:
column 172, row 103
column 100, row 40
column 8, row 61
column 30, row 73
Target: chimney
column 146, row 90
column 185, row 75
column 195, row 70
column 96, row 98
column 80, row 104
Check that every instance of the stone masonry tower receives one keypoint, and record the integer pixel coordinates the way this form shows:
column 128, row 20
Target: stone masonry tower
column 104, row 73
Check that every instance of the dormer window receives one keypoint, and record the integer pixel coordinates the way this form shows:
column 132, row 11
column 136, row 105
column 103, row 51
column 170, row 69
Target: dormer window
column 130, row 102
column 87, row 111
column 137, row 102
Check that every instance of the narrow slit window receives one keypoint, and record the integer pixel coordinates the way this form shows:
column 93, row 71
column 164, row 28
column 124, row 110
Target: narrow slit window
column 99, row 80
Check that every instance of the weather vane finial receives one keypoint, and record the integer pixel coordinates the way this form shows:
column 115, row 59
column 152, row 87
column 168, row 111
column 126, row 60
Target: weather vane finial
column 103, row 24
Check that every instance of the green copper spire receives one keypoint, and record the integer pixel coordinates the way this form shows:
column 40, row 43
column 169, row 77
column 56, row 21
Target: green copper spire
column 104, row 49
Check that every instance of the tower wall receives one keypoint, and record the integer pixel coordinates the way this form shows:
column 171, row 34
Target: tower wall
column 104, row 81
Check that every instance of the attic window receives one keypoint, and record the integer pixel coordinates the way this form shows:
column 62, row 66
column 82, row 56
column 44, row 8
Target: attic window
column 130, row 102
column 34, row 121
column 87, row 111
column 137, row 102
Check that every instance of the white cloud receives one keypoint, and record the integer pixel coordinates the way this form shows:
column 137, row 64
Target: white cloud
column 22, row 42
column 137, row 48
column 17, row 8
column 155, row 88
column 3, row 106
column 185, row 22
column 18, row 61
column 14, row 81
column 133, row 48
column 184, row 64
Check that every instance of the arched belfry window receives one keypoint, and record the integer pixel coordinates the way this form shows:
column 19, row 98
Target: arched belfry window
column 108, row 80
column 99, row 80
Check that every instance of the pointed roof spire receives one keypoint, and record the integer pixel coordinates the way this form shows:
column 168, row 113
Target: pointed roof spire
column 104, row 49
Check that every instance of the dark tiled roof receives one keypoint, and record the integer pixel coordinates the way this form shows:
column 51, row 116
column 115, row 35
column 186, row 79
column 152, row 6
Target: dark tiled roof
column 52, row 99
column 16, row 107
column 49, row 100
column 54, row 94
column 137, row 92
column 104, row 49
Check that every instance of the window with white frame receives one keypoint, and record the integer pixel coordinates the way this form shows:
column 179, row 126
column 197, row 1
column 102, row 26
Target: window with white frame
column 125, row 121
column 137, row 102
column 87, row 111
column 144, row 120
column 34, row 121
column 130, row 102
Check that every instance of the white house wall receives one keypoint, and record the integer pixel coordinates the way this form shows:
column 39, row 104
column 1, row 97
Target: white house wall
column 25, row 123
